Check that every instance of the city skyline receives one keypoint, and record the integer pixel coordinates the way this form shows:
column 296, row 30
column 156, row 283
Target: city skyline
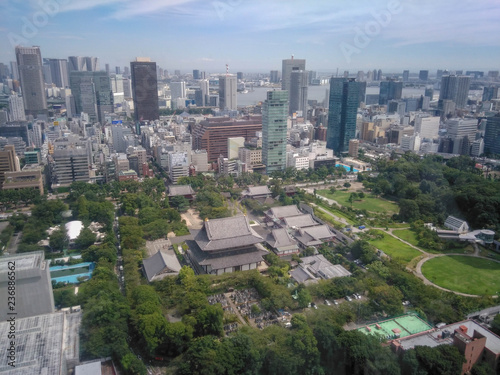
column 255, row 37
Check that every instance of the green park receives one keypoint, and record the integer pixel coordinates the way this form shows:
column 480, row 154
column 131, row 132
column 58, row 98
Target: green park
column 464, row 274
column 393, row 247
column 368, row 202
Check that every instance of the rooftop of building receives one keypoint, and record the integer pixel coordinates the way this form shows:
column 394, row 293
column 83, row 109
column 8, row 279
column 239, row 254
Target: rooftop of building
column 44, row 342
column 280, row 238
column 300, row 221
column 25, row 261
column 227, row 233
column 160, row 262
column 284, row 211
column 175, row 190
column 257, row 190
column 435, row 337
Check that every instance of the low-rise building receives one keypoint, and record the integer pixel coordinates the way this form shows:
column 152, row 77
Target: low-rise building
column 30, row 177
column 163, row 263
column 317, row 267
column 226, row 245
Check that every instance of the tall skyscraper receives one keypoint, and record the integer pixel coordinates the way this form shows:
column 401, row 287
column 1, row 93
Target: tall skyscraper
column 196, row 74
column 228, row 99
column 274, row 76
column 390, row 90
column 177, row 90
column 29, row 61
column 343, row 109
column 492, row 135
column 14, row 70
column 274, row 127
column 289, row 65
column 145, row 89
column 406, row 75
column 16, row 108
column 92, row 93
column 455, row 88
column 239, row 75
column 423, row 75
column 59, row 72
column 92, row 64
column 489, row 93
column 83, row 64
column 298, row 92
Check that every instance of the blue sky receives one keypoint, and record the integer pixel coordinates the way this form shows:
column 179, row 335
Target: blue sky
column 255, row 35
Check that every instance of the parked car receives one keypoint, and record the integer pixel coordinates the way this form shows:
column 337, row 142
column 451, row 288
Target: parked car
column 349, row 299
column 327, row 302
column 335, row 302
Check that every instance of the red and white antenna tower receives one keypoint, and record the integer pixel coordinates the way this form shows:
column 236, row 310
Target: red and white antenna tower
column 227, row 70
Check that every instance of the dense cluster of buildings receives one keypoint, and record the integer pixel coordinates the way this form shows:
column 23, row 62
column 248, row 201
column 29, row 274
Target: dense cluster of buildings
column 72, row 121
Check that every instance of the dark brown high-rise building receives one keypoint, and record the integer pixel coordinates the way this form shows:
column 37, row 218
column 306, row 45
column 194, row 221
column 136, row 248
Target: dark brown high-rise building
column 212, row 134
column 29, row 62
column 144, row 89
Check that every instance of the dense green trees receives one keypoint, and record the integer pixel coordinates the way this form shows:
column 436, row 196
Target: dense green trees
column 429, row 189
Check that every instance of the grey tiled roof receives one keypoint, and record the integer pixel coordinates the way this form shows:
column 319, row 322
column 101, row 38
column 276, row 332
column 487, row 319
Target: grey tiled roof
column 240, row 257
column 226, row 233
column 284, row 211
column 158, row 262
column 301, row 221
column 320, row 267
column 301, row 275
column 280, row 238
column 175, row 190
column 257, row 190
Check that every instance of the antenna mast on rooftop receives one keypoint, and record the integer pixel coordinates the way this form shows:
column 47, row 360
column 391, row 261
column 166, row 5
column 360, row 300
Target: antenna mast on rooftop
column 227, row 70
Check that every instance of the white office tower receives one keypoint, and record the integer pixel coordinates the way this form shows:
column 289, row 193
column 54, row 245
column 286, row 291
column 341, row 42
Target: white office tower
column 16, row 108
column 205, row 91
column 228, row 86
column 410, row 143
column 177, row 90
column 178, row 165
column 427, row 127
column 37, row 134
column 477, row 147
column 289, row 65
column 459, row 129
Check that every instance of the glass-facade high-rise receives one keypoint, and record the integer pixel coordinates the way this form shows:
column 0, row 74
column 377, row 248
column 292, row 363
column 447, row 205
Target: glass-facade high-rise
column 92, row 93
column 29, row 61
column 274, row 126
column 390, row 90
column 145, row 89
column 492, row 135
column 455, row 88
column 343, row 109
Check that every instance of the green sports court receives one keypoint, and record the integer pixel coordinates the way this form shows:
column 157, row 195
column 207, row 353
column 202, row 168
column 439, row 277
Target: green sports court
column 393, row 328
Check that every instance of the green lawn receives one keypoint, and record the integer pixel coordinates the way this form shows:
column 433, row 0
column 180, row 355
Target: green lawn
column 337, row 213
column 411, row 237
column 395, row 248
column 368, row 203
column 407, row 235
column 464, row 274
column 325, row 217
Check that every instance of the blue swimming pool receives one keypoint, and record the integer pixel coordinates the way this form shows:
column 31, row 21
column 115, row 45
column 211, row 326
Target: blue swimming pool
column 85, row 270
column 346, row 167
